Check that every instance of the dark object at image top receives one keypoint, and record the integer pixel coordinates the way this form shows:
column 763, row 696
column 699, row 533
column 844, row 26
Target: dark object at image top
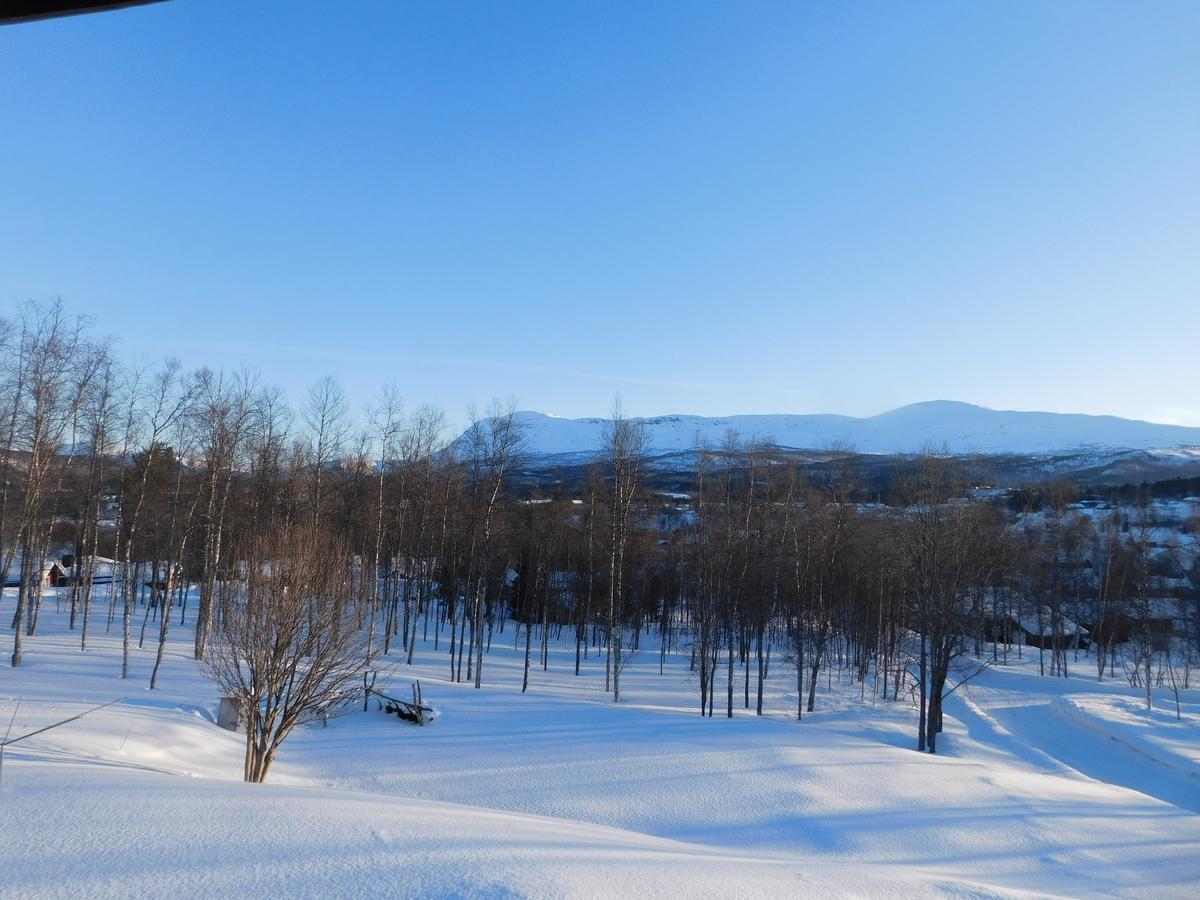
column 12, row 11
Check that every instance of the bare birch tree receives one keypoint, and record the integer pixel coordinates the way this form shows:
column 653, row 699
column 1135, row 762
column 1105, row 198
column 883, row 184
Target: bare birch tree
column 287, row 643
column 624, row 452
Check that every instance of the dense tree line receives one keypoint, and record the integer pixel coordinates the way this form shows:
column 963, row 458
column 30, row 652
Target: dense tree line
column 301, row 545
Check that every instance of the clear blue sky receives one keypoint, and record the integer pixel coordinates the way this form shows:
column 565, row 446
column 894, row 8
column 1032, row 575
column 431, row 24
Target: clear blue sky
column 709, row 207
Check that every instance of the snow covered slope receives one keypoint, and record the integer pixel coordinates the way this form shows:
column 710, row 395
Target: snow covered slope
column 961, row 427
column 559, row 793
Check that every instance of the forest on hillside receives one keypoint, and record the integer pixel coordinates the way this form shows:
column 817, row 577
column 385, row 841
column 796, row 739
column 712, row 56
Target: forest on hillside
column 301, row 545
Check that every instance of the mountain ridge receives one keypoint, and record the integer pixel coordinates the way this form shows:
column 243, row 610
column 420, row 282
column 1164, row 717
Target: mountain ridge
column 959, row 427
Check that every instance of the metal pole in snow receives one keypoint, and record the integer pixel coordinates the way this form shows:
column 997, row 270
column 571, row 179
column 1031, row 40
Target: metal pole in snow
column 7, row 732
column 63, row 722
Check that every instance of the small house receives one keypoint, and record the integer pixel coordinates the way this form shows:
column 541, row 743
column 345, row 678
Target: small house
column 1032, row 631
column 52, row 574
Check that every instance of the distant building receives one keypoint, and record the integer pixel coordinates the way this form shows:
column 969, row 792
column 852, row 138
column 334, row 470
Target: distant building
column 52, row 574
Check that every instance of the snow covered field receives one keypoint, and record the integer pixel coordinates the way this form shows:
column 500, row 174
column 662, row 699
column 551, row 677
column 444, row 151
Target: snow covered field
column 1045, row 787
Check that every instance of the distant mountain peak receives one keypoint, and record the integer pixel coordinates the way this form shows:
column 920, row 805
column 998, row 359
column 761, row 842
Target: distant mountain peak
column 956, row 425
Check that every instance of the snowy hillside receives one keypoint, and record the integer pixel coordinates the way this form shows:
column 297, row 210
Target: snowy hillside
column 1045, row 787
column 962, row 427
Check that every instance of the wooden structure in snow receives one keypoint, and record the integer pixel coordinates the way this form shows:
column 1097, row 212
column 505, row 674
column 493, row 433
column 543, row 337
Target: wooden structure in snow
column 52, row 574
column 415, row 711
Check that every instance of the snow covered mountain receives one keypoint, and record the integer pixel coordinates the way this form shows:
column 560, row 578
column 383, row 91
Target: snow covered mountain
column 960, row 427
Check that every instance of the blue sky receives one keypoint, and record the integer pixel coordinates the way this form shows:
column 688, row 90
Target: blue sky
column 709, row 208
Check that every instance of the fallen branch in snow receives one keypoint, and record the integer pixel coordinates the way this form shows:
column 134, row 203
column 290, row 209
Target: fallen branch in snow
column 986, row 664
